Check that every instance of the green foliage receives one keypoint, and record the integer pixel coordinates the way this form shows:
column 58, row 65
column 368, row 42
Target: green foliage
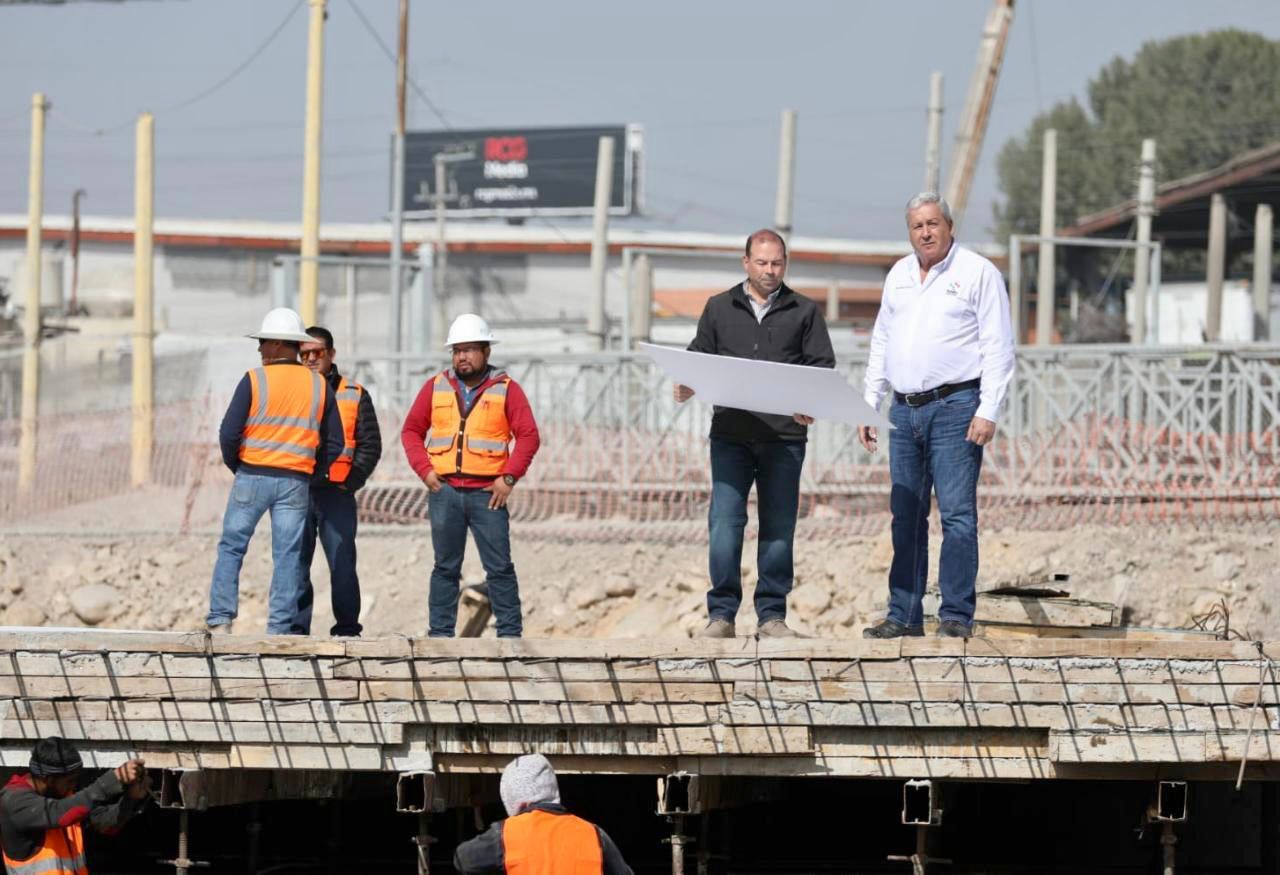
column 1204, row 98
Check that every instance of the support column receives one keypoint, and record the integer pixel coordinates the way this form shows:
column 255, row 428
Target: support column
column 1142, row 255
column 1262, row 225
column 933, row 141
column 1216, row 264
column 396, row 303
column 597, row 324
column 309, row 269
column 642, row 293
column 31, row 316
column 1046, row 276
column 440, row 316
column 782, row 214
column 143, row 303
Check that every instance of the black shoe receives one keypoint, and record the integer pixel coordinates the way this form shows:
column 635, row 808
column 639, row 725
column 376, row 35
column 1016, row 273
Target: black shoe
column 892, row 629
column 953, row 629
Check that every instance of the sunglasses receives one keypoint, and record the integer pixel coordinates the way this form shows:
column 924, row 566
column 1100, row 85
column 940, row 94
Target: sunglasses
column 309, row 354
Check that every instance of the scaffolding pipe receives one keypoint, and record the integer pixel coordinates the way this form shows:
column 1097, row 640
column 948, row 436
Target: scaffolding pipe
column 27, row 447
column 143, row 431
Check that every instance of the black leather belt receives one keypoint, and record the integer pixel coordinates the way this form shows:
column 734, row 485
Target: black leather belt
column 918, row 399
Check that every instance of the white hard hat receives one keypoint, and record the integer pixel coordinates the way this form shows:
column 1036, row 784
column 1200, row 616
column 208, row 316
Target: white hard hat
column 282, row 324
column 469, row 328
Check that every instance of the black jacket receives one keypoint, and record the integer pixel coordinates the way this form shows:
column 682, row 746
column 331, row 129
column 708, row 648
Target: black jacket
column 485, row 854
column 368, row 440
column 792, row 332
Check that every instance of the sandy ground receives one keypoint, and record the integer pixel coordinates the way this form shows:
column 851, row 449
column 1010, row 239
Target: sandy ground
column 1160, row 576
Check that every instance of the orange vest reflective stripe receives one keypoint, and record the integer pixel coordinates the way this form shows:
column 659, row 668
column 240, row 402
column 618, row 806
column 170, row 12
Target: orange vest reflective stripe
column 61, row 854
column 348, row 399
column 478, row 444
column 283, row 427
column 541, row 843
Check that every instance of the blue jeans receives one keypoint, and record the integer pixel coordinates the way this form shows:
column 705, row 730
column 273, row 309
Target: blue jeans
column 252, row 495
column 333, row 518
column 452, row 512
column 928, row 453
column 774, row 467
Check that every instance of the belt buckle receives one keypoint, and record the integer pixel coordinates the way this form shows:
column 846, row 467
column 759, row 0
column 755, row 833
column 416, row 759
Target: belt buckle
column 921, row 398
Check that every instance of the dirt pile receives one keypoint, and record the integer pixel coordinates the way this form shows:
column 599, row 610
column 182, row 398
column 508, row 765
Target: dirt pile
column 1160, row 576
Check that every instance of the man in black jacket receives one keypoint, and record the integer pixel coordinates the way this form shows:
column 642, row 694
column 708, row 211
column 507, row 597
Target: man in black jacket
column 759, row 319
column 333, row 501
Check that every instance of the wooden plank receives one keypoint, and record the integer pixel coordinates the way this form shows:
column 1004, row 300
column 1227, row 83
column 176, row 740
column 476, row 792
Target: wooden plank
column 1001, row 631
column 517, row 740
column 175, row 688
column 1129, row 747
column 72, row 712
column 1037, row 693
column 731, row 740
column 1116, row 649
column 1030, row 610
column 1023, row 670
column 638, row 670
column 200, row 730
column 556, row 713
column 446, row 764
column 985, row 768
column 898, row 743
column 542, row 691
column 128, row 640
column 1059, row 716
column 159, row 665
column 1264, row 746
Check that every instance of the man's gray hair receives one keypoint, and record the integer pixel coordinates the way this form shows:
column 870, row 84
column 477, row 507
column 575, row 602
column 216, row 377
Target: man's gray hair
column 929, row 197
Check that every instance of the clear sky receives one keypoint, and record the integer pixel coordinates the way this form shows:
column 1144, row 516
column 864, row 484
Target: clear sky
column 708, row 79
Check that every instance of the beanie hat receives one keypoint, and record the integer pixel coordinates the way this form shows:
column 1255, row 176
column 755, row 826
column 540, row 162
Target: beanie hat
column 54, row 756
column 526, row 781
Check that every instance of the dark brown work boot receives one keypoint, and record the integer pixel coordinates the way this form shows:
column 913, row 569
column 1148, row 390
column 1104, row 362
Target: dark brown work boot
column 892, row 629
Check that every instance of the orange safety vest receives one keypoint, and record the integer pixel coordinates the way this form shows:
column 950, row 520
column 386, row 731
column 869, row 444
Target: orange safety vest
column 477, row 444
column 61, row 854
column 283, row 427
column 348, row 399
column 541, row 843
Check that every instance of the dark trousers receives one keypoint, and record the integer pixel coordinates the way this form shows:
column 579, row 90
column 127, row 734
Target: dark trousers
column 453, row 512
column 774, row 467
column 333, row 520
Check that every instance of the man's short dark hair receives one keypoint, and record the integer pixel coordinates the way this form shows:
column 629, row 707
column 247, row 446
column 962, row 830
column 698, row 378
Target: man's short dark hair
column 322, row 334
column 767, row 234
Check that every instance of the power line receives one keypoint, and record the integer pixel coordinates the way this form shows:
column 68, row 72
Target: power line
column 386, row 50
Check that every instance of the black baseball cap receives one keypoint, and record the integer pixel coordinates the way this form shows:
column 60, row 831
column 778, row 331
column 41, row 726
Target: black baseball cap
column 54, row 756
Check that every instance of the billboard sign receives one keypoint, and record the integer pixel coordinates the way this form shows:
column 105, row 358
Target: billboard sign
column 514, row 172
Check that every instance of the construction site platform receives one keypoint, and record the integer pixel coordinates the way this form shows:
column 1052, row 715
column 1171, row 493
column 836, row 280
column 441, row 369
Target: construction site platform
column 977, row 709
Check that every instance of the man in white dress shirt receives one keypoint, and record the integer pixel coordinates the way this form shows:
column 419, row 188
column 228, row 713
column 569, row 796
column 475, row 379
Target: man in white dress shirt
column 943, row 346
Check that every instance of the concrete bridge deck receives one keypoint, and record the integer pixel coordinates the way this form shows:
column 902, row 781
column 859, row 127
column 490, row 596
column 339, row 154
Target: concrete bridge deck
column 982, row 709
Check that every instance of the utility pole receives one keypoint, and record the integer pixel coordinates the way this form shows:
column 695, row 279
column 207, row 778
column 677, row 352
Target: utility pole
column 1142, row 255
column 309, row 267
column 1262, row 273
column 977, row 107
column 31, row 316
column 597, row 324
column 786, row 176
column 933, row 142
column 396, row 299
column 1045, row 304
column 1216, row 268
column 72, row 306
column 143, row 301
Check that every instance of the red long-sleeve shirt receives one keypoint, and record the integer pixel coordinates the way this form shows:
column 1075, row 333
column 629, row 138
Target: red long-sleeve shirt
column 413, row 435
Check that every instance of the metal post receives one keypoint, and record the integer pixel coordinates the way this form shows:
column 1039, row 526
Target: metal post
column 182, row 864
column 1216, row 266
column 1045, row 303
column 309, row 272
column 353, row 324
column 1168, row 846
column 833, row 301
column 1015, row 286
column 254, row 851
column 31, row 317
column 597, row 324
column 395, row 308
column 441, row 316
column 279, row 294
column 1146, row 209
column 786, row 176
column 642, row 300
column 678, row 840
column 420, row 329
column 73, row 306
column 933, row 141
column 143, row 302
column 1262, row 273
column 423, row 843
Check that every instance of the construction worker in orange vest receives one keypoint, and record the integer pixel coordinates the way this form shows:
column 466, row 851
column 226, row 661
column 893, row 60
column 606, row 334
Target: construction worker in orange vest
column 457, row 437
column 539, row 835
column 42, row 816
column 333, row 503
column 280, row 431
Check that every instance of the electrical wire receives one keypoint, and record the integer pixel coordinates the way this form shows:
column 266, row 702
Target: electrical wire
column 386, row 50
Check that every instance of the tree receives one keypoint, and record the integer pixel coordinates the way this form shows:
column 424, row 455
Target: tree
column 1204, row 98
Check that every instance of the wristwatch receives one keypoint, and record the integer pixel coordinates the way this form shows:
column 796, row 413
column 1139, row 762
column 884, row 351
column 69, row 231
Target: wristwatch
column 508, row 479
